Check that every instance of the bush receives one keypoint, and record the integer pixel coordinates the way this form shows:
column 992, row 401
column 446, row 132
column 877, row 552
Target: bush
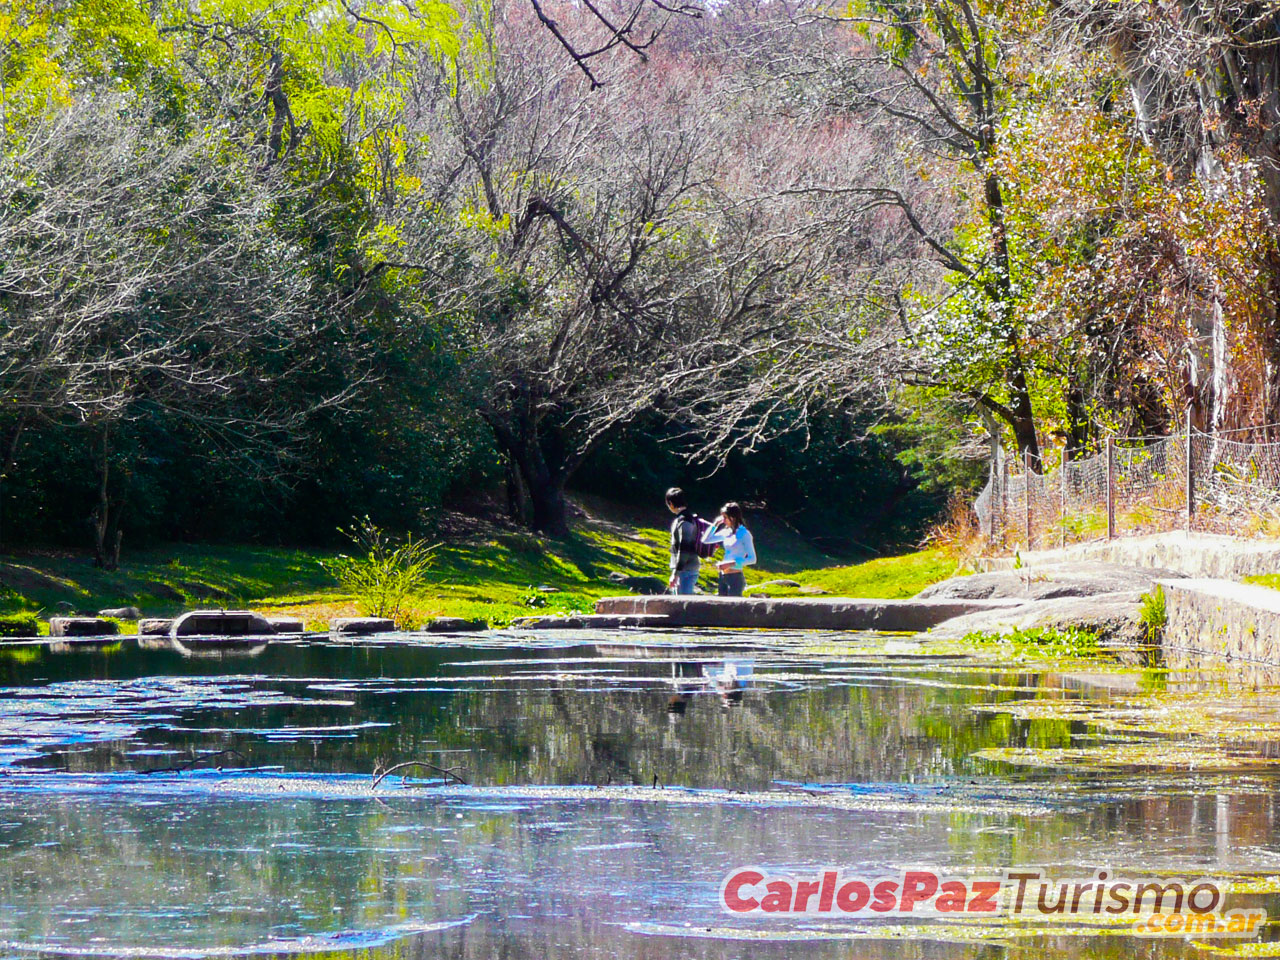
column 19, row 625
column 386, row 572
column 1153, row 614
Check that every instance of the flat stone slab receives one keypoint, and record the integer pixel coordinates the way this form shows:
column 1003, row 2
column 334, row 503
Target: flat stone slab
column 596, row 621
column 287, row 624
column 154, row 626
column 220, row 623
column 1221, row 618
column 1112, row 616
column 1048, row 582
column 798, row 613
column 361, row 626
column 82, row 627
column 454, row 625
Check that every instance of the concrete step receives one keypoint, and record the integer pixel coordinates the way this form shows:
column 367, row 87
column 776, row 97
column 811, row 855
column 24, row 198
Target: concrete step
column 592, row 621
column 798, row 613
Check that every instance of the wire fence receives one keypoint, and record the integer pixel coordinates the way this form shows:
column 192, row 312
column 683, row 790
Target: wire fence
column 1136, row 485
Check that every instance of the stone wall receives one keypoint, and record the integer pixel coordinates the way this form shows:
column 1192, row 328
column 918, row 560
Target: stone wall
column 1221, row 619
column 1194, row 554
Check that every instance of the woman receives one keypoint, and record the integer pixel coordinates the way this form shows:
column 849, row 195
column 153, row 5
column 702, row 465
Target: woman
column 739, row 550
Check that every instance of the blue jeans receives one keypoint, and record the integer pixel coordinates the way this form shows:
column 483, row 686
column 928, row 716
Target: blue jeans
column 686, row 580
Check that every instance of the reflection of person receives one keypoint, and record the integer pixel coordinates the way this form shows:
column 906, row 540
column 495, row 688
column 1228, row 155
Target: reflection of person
column 739, row 549
column 684, row 544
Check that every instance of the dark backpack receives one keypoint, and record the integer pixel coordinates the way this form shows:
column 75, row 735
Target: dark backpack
column 704, row 550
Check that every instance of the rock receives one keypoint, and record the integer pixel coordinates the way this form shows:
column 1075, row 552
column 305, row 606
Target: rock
column 154, row 627
column 121, row 613
column 221, row 623
column 591, row 621
column 287, row 624
column 545, row 588
column 771, row 583
column 812, row 591
column 82, row 627
column 1048, row 582
column 361, row 626
column 453, row 625
column 650, row 586
column 1112, row 616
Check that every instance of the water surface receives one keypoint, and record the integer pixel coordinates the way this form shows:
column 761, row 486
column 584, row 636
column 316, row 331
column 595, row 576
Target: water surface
column 157, row 803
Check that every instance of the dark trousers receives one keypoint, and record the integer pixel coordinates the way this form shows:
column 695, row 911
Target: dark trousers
column 731, row 584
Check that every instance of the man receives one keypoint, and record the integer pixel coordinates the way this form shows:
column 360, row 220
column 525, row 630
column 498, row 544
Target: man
column 684, row 544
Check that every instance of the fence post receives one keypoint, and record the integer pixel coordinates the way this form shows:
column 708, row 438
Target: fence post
column 1111, row 488
column 1191, row 476
column 1062, row 497
column 1003, row 466
column 1026, row 490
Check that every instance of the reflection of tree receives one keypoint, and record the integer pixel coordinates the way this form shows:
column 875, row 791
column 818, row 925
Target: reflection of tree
column 497, row 728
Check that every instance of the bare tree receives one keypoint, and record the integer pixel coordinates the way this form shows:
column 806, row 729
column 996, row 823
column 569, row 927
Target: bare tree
column 141, row 276
column 622, row 251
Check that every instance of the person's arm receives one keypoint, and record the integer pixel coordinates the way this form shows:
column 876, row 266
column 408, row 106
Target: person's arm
column 717, row 533
column 675, row 547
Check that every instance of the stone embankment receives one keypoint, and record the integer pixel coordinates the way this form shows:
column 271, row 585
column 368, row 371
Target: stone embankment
column 1190, row 554
column 1104, row 598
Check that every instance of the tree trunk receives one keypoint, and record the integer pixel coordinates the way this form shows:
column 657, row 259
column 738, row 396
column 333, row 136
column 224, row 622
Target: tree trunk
column 106, row 542
column 550, row 509
column 543, row 484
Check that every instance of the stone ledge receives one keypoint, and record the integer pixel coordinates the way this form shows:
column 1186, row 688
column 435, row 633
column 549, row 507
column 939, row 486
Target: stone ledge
column 1191, row 554
column 221, row 623
column 82, row 627
column 798, row 613
column 597, row 621
column 1221, row 618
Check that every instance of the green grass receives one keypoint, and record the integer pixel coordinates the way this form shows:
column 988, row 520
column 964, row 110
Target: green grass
column 888, row 578
column 494, row 578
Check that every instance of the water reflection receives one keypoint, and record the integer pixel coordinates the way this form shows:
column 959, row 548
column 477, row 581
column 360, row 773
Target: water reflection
column 117, row 833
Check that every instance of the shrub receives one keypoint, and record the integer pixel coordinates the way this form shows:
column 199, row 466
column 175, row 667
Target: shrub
column 1152, row 613
column 385, row 572
column 19, row 625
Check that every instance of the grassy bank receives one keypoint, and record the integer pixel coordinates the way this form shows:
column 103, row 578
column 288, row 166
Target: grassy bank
column 494, row 575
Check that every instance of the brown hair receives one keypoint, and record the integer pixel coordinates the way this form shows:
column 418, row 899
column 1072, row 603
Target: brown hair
column 733, row 513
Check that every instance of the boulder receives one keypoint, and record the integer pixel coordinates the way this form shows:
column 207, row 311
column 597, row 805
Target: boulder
column 812, row 591
column 547, row 588
column 361, row 626
column 453, row 625
column 1112, row 616
column 287, row 624
column 1048, row 582
column 82, row 627
column 154, row 627
column 221, row 623
column 121, row 613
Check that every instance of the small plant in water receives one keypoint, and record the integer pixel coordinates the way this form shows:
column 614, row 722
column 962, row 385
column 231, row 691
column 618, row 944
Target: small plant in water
column 1152, row 613
column 384, row 572
column 1068, row 642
